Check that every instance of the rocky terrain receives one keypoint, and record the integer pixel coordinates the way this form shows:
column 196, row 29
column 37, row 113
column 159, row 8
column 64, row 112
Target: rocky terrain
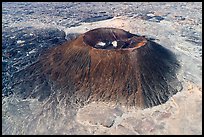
column 29, row 29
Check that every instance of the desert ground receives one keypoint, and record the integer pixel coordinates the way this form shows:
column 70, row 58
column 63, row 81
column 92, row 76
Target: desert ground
column 31, row 27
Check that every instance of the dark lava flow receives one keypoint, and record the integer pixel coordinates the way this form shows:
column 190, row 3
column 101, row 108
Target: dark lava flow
column 104, row 64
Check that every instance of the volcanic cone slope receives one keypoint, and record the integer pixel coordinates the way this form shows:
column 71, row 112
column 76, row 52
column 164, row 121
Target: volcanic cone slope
column 104, row 64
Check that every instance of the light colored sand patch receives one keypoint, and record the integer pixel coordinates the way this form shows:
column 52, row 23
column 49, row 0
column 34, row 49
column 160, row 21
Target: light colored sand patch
column 182, row 114
column 20, row 41
column 116, row 22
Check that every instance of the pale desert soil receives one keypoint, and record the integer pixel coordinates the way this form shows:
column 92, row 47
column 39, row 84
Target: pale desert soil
column 180, row 31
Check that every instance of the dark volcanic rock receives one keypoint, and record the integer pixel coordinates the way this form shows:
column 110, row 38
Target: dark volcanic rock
column 23, row 46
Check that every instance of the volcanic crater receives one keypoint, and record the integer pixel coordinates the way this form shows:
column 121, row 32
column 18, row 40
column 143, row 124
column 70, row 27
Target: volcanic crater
column 103, row 64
